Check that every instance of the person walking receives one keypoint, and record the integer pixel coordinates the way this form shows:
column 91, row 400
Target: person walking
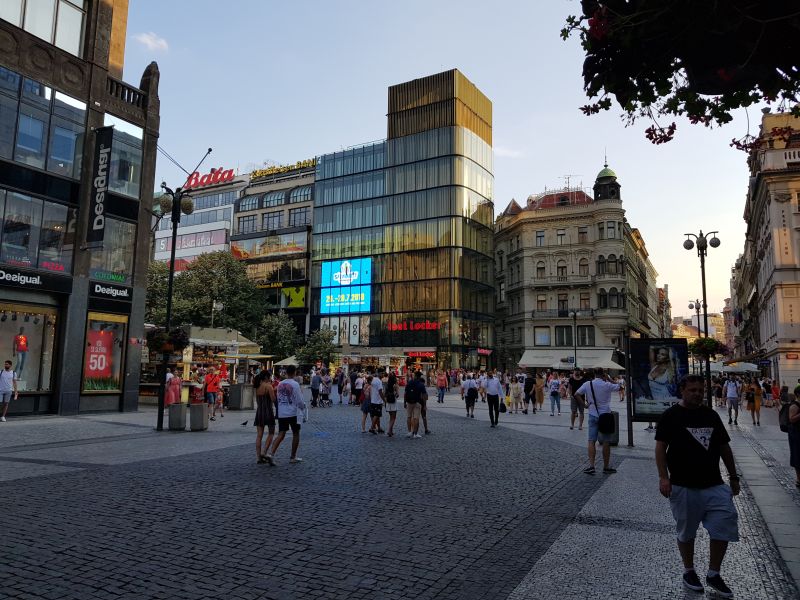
column 265, row 415
column 211, row 385
column 733, row 391
column 316, row 382
column 325, row 385
column 555, row 396
column 469, row 391
column 8, row 388
column 415, row 388
column 576, row 405
column 173, row 388
column 376, row 399
column 441, row 385
column 494, row 390
column 391, row 392
column 539, row 393
column 516, row 395
column 752, row 393
column 363, row 398
column 289, row 402
column 690, row 440
column 339, row 381
column 794, row 435
column 597, row 394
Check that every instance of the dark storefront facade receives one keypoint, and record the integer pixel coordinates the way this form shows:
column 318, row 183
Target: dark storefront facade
column 402, row 255
column 77, row 158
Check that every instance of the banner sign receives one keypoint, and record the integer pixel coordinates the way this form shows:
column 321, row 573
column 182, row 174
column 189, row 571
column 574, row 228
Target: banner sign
column 101, row 166
column 656, row 367
column 115, row 292
column 99, row 354
column 30, row 280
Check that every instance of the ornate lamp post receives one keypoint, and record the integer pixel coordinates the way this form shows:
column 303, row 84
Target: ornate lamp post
column 703, row 241
column 574, row 314
column 695, row 306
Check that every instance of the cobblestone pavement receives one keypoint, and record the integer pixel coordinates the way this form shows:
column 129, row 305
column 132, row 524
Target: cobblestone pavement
column 103, row 507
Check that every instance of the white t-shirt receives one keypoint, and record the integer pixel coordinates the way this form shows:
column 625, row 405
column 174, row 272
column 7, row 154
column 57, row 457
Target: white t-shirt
column 359, row 383
column 7, row 379
column 482, row 381
column 290, row 399
column 493, row 387
column 602, row 402
column 732, row 389
column 375, row 391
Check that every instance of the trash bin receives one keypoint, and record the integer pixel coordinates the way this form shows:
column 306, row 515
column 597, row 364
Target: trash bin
column 615, row 437
column 240, row 396
column 177, row 417
column 198, row 417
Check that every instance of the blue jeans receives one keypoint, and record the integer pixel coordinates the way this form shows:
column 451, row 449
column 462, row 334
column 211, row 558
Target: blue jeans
column 441, row 394
column 21, row 358
column 555, row 401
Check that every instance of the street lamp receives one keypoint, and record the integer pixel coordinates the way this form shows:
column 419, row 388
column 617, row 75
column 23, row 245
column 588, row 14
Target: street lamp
column 574, row 315
column 695, row 306
column 703, row 242
column 175, row 202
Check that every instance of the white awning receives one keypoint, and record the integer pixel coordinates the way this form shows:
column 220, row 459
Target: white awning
column 562, row 358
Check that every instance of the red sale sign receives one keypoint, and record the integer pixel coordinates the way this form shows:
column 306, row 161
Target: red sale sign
column 98, row 354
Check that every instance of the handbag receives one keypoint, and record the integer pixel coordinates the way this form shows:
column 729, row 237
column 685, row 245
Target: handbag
column 502, row 407
column 605, row 421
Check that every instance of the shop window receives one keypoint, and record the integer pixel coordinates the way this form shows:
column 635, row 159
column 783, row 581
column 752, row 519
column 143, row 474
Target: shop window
column 104, row 352
column 126, row 157
column 21, row 226
column 114, row 261
column 27, row 332
column 57, row 237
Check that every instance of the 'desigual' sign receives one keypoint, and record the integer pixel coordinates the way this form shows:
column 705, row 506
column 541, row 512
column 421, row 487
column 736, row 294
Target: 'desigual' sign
column 101, row 163
column 218, row 175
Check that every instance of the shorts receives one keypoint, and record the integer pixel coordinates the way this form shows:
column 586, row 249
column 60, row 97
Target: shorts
column 286, row 422
column 376, row 410
column 365, row 406
column 413, row 410
column 595, row 435
column 391, row 407
column 5, row 397
column 713, row 507
column 576, row 405
column 211, row 397
column 733, row 403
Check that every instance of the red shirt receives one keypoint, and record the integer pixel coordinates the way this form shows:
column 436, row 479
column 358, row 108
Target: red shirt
column 21, row 341
column 212, row 383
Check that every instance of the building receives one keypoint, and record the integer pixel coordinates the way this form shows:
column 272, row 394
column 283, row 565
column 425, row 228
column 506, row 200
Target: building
column 77, row 163
column 272, row 234
column 664, row 312
column 727, row 323
column 572, row 279
column 402, row 241
column 765, row 280
column 208, row 228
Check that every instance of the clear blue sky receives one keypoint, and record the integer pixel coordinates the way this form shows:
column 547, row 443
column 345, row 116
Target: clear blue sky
column 262, row 80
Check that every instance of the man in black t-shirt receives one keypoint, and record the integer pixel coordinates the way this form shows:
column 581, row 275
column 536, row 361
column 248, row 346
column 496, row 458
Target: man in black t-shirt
column 577, row 405
column 690, row 440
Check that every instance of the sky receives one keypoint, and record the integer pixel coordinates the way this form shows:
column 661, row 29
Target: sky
column 271, row 81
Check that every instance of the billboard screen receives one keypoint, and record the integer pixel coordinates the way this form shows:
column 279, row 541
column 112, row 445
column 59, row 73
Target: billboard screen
column 656, row 366
column 346, row 286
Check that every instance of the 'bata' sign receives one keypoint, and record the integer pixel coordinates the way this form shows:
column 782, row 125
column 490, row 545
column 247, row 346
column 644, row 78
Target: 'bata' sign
column 218, row 175
column 99, row 188
column 413, row 326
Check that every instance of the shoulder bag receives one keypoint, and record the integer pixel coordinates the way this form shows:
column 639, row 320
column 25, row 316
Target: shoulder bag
column 605, row 421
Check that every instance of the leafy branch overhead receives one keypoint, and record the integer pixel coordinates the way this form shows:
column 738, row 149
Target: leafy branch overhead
column 702, row 60
column 707, row 347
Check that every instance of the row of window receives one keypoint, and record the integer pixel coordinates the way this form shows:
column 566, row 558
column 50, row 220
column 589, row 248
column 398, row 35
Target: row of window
column 214, row 200
column 562, row 336
column 200, row 218
column 439, row 142
column 348, row 162
column 272, row 245
column 278, row 271
column 607, row 230
column 304, row 193
column 298, row 217
column 59, row 22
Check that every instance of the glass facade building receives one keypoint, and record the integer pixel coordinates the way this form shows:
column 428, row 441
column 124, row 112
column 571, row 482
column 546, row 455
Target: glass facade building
column 419, row 207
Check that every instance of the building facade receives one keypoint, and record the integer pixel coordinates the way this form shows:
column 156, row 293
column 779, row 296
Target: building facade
column 765, row 280
column 77, row 163
column 402, row 241
column 272, row 235
column 209, row 227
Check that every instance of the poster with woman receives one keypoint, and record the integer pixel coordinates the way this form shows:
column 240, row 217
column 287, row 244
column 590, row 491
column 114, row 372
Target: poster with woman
column 656, row 366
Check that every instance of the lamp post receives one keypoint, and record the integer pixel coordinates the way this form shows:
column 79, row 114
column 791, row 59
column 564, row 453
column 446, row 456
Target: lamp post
column 703, row 241
column 574, row 314
column 695, row 306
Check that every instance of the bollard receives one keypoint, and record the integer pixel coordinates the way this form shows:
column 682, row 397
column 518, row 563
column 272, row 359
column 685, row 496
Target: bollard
column 177, row 417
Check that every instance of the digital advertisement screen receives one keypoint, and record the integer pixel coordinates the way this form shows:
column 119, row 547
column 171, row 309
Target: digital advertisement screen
column 346, row 286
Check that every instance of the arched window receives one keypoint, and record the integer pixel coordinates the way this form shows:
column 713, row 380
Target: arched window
column 601, row 265
column 602, row 299
column 621, row 265
column 540, row 270
column 561, row 268
column 249, row 203
column 300, row 194
column 622, row 302
column 611, row 265
column 583, row 266
column 613, row 299
column 274, row 198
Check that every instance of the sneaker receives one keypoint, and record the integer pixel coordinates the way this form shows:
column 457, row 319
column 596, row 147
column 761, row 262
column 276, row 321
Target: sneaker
column 692, row 582
column 589, row 470
column 718, row 585
column 296, row 459
column 212, row 419
column 2, row 419
column 410, row 434
column 730, row 421
column 609, row 470
column 472, row 416
column 417, row 436
column 270, row 460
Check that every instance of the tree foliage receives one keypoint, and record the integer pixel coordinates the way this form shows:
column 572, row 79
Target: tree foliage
column 318, row 346
column 708, row 347
column 700, row 59
column 277, row 335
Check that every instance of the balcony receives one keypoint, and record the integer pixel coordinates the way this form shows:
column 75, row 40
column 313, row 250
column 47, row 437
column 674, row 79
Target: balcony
column 562, row 313
column 552, row 281
column 610, row 277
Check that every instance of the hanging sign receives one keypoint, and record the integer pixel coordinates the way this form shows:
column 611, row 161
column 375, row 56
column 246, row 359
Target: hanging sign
column 101, row 166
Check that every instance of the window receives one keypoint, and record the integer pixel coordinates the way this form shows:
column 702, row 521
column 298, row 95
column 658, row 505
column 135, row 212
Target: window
column 8, row 123
column 519, row 274
column 66, row 148
column 21, row 227
column 540, row 238
column 541, row 336
column 541, row 302
column 622, row 302
column 601, row 235
column 613, row 299
column 58, row 22
column 27, row 332
column 583, row 266
column 563, row 302
column 249, row 203
column 563, row 335
column 585, row 335
column 611, row 265
column 57, row 237
column 611, row 230
column 31, row 136
column 502, row 292
column 272, row 220
column 299, row 216
column 126, row 157
column 561, row 269
column 518, row 244
column 103, row 359
column 69, row 27
column 585, row 301
column 561, row 235
column 602, row 299
column 583, row 235
column 540, row 270
column 246, row 224
column 114, row 261
column 601, row 265
column 300, row 194
column 274, row 199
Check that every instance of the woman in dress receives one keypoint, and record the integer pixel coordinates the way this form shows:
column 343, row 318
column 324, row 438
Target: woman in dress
column 265, row 414
column 540, row 381
column 173, row 394
column 753, row 394
column 662, row 377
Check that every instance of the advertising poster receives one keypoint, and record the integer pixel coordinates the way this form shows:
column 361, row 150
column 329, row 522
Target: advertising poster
column 346, row 286
column 656, row 367
column 99, row 355
column 295, row 297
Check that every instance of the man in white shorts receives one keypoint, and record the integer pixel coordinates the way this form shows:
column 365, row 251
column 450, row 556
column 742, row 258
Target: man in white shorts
column 8, row 387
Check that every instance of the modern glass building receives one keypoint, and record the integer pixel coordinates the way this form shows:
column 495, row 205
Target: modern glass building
column 402, row 237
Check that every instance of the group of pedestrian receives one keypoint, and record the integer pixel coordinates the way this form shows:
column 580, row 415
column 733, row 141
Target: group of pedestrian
column 278, row 399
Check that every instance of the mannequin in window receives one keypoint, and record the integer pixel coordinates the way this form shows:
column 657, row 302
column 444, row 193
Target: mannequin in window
column 21, row 350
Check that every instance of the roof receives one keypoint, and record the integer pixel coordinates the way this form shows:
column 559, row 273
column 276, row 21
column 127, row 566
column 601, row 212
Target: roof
column 606, row 172
column 559, row 198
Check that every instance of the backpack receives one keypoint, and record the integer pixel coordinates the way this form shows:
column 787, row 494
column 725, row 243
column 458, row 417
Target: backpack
column 783, row 416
